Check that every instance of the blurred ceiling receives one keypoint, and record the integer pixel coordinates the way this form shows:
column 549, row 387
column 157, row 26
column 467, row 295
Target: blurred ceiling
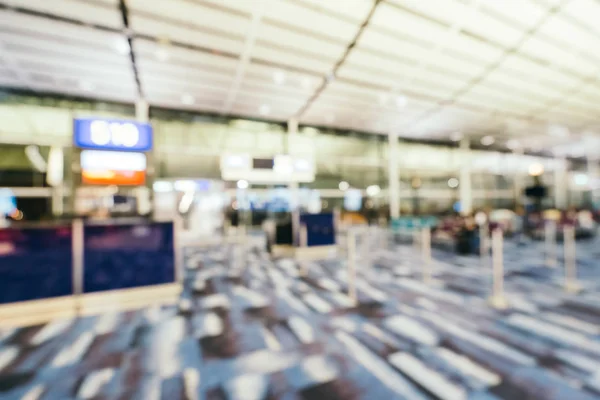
column 524, row 71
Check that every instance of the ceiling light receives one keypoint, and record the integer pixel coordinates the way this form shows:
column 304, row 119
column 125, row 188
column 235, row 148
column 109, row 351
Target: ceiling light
column 487, row 140
column 373, row 190
column 264, row 109
column 401, row 101
column 581, row 179
column 161, row 54
column 536, row 169
column 122, row 46
column 453, row 183
column 306, row 83
column 558, row 131
column 242, row 184
column 87, row 86
column 456, row 136
column 383, row 99
column 344, row 185
column 187, row 99
column 279, row 77
column 513, row 144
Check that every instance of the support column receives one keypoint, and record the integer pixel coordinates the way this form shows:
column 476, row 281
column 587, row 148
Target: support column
column 292, row 185
column 393, row 175
column 593, row 171
column 465, row 189
column 518, row 183
column 560, row 184
column 145, row 194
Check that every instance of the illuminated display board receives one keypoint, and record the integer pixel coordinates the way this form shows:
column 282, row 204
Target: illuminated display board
column 110, row 134
column 112, row 168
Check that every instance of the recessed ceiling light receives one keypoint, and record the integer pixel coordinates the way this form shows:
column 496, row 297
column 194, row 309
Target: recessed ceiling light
column 513, row 144
column 279, row 77
column 383, row 99
column 242, row 184
column 264, row 109
column 87, row 86
column 122, row 46
column 558, row 131
column 187, row 99
column 487, row 140
column 401, row 101
column 373, row 190
column 456, row 136
column 453, row 183
column 161, row 54
column 306, row 83
column 344, row 185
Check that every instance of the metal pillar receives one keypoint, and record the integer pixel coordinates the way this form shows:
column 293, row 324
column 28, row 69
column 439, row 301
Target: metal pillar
column 560, row 185
column 393, row 175
column 465, row 189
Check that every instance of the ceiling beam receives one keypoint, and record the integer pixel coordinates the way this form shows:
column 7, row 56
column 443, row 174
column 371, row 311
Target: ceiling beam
column 245, row 57
column 125, row 15
column 332, row 74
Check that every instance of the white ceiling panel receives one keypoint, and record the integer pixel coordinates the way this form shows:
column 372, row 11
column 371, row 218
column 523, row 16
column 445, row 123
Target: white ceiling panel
column 187, row 35
column 423, row 67
column 103, row 13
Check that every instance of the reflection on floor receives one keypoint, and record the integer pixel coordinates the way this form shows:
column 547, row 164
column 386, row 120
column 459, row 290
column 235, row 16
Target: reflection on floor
column 255, row 330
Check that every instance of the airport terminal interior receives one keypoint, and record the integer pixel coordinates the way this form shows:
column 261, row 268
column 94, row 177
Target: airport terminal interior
column 299, row 199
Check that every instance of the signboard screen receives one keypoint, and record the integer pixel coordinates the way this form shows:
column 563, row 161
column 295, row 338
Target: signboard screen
column 110, row 134
column 112, row 168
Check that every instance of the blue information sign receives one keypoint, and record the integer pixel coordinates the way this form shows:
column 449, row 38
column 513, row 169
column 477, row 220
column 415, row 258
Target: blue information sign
column 112, row 134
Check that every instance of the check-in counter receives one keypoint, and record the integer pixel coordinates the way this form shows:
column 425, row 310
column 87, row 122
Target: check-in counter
column 84, row 267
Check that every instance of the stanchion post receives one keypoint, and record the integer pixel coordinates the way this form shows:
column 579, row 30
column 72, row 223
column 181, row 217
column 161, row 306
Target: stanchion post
column 426, row 253
column 303, row 245
column 498, row 300
column 550, row 236
column 571, row 283
column 352, row 265
column 484, row 244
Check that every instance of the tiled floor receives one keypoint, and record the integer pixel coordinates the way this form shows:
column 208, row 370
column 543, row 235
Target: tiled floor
column 251, row 329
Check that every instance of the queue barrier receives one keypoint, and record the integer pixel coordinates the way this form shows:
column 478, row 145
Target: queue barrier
column 63, row 270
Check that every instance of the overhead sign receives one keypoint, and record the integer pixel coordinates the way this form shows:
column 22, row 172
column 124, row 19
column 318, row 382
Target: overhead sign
column 112, row 168
column 110, row 134
column 278, row 169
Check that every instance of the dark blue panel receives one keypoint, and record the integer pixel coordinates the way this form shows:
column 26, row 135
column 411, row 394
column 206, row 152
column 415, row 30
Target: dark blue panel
column 35, row 263
column 128, row 256
column 112, row 134
column 320, row 229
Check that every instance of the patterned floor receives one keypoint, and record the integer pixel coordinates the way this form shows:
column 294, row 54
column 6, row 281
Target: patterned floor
column 248, row 328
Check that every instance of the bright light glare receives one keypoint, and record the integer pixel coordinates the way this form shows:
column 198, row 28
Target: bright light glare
column 185, row 186
column 344, row 185
column 581, row 179
column 279, row 77
column 401, row 101
column 242, row 184
column 187, row 99
column 487, row 140
column 264, row 109
column 456, row 136
column 536, row 169
column 122, row 46
column 453, row 183
column 373, row 190
column 162, row 186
